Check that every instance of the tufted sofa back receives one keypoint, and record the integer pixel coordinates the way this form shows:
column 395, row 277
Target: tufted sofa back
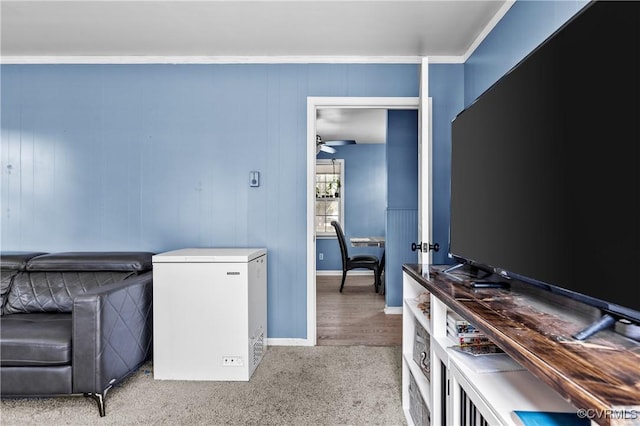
column 50, row 282
column 11, row 263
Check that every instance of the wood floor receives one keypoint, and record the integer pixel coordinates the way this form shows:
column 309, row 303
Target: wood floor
column 355, row 316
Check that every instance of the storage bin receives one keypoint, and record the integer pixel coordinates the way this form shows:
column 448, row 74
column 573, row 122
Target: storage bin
column 417, row 408
column 421, row 350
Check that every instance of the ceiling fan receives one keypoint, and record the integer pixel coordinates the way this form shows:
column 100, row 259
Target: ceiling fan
column 328, row 146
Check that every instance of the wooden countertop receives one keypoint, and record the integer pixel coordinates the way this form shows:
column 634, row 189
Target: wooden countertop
column 533, row 326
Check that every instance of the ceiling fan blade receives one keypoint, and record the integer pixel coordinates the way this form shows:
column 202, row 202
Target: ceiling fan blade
column 339, row 142
column 328, row 149
column 326, row 146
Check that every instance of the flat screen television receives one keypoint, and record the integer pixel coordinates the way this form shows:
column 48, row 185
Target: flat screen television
column 545, row 182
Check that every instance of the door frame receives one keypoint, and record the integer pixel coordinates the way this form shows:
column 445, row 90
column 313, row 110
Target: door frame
column 313, row 104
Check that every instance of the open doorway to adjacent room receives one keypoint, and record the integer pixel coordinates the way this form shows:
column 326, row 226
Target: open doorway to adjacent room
column 358, row 315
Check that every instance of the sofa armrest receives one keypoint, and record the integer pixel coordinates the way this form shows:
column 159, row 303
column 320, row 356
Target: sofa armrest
column 112, row 332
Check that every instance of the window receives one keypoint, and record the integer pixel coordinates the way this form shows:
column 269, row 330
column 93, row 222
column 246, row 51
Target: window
column 329, row 196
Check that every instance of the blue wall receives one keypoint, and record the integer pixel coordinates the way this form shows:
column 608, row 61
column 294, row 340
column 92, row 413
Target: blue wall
column 157, row 157
column 402, row 199
column 446, row 89
column 365, row 198
column 527, row 24
column 402, row 159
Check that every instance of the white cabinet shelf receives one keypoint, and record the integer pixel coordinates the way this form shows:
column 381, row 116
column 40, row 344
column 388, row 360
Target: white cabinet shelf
column 423, row 383
column 440, row 347
column 503, row 392
column 418, row 401
column 420, row 316
column 493, row 396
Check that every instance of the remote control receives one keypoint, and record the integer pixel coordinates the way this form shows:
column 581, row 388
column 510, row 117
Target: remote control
column 489, row 284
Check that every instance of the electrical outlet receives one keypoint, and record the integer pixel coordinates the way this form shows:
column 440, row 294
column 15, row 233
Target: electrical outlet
column 321, row 256
column 232, row 361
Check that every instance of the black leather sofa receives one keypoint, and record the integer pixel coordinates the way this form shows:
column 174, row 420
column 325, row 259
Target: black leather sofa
column 73, row 322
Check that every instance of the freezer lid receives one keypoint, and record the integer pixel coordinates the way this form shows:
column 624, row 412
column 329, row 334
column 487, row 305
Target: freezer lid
column 210, row 255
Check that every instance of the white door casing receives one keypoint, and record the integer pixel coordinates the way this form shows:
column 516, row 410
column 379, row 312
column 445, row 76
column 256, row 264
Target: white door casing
column 424, row 166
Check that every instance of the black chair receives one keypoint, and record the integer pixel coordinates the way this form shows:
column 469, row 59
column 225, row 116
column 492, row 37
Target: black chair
column 356, row 262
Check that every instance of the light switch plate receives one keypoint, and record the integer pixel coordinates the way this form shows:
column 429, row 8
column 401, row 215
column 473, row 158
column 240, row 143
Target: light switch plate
column 254, row 178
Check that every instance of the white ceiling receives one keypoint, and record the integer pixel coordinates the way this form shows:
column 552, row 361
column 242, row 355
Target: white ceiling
column 360, row 124
column 385, row 31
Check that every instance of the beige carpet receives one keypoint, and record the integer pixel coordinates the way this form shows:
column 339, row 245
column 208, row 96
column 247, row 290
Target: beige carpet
column 321, row 385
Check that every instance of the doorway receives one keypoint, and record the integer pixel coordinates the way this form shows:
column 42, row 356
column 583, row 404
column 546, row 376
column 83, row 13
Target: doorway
column 313, row 105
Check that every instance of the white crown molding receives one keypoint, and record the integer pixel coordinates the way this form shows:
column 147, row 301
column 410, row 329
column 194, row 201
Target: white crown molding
column 446, row 59
column 490, row 26
column 209, row 59
column 35, row 60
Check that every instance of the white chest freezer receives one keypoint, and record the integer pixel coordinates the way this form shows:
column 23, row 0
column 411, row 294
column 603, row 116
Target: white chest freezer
column 209, row 313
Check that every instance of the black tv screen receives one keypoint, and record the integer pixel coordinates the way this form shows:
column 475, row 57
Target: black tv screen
column 545, row 181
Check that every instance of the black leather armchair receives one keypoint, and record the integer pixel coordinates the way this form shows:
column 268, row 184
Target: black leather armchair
column 73, row 323
column 357, row 261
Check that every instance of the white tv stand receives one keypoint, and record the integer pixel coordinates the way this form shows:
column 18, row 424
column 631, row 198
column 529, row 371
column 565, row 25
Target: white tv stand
column 597, row 379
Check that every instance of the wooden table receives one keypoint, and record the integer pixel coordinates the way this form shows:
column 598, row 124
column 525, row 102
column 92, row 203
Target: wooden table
column 367, row 241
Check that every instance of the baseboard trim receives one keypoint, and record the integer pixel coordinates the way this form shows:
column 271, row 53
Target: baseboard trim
column 393, row 310
column 288, row 342
column 327, row 273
